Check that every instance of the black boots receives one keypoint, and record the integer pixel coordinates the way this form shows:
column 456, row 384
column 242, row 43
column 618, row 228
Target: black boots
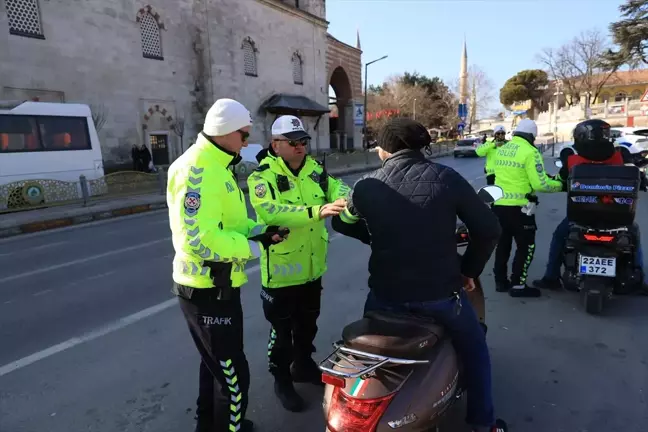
column 301, row 371
column 548, row 284
column 524, row 291
column 516, row 290
column 306, row 371
column 502, row 286
column 286, row 393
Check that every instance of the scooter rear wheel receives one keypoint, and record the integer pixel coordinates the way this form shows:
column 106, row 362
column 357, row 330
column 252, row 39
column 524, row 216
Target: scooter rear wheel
column 593, row 303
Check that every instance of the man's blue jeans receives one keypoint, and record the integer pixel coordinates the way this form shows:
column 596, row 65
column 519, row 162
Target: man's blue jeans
column 557, row 248
column 469, row 341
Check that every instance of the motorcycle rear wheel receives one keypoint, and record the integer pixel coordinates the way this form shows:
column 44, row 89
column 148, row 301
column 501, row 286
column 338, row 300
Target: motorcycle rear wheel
column 593, row 303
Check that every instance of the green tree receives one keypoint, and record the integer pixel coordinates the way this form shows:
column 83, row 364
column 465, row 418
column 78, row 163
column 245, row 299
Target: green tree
column 526, row 85
column 438, row 105
column 630, row 34
column 376, row 89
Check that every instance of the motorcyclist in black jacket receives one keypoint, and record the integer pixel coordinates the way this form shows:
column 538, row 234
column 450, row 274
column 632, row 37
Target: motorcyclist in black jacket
column 593, row 144
column 407, row 211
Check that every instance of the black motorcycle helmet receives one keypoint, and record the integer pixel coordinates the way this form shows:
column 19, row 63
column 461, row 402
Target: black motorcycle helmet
column 592, row 140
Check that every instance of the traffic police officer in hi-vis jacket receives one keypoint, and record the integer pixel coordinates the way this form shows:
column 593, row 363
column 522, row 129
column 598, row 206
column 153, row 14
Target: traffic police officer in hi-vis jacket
column 293, row 190
column 213, row 239
column 489, row 150
column 519, row 171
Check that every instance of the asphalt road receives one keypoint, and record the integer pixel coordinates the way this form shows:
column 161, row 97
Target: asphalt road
column 92, row 340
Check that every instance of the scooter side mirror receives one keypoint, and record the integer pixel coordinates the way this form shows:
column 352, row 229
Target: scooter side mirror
column 558, row 163
column 490, row 194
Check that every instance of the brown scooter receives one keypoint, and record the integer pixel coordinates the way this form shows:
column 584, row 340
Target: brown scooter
column 395, row 372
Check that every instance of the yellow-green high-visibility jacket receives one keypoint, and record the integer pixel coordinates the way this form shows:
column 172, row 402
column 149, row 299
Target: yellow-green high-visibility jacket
column 208, row 217
column 283, row 198
column 519, row 170
column 488, row 150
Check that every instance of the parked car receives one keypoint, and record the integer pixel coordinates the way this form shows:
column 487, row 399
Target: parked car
column 467, row 147
column 631, row 140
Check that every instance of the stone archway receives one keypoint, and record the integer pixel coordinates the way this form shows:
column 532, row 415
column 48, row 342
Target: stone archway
column 344, row 75
column 158, row 136
column 341, row 125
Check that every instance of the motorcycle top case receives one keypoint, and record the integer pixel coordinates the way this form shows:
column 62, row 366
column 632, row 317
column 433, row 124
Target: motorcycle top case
column 603, row 196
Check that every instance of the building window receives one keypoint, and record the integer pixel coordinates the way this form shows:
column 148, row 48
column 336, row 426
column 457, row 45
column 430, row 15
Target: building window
column 620, row 97
column 250, row 57
column 19, row 134
column 151, row 40
column 636, row 95
column 24, row 18
column 297, row 69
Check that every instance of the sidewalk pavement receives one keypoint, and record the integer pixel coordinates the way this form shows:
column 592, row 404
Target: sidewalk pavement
column 30, row 221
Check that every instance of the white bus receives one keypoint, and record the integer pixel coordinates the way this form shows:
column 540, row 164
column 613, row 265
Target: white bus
column 42, row 141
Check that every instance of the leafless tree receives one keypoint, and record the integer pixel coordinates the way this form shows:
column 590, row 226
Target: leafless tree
column 481, row 93
column 578, row 66
column 99, row 115
column 179, row 129
column 396, row 98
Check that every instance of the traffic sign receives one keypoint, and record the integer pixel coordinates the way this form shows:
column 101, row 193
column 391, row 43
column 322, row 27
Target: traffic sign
column 461, row 127
column 644, row 98
column 463, row 111
column 463, row 119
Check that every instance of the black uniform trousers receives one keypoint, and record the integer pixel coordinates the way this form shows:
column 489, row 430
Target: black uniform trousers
column 216, row 326
column 521, row 228
column 292, row 312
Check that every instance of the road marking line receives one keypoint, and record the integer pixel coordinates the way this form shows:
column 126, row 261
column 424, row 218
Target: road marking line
column 35, row 248
column 80, row 261
column 95, row 334
column 102, row 331
column 40, row 293
column 70, row 343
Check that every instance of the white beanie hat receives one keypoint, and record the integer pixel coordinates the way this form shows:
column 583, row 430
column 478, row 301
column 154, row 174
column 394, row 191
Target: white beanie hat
column 226, row 116
column 527, row 126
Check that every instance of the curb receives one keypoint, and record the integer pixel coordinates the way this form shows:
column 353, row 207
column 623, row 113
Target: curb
column 46, row 225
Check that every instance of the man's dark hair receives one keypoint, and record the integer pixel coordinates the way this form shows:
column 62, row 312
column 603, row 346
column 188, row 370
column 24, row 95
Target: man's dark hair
column 403, row 133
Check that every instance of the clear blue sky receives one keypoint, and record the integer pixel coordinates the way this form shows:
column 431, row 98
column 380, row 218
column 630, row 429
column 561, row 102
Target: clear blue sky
column 426, row 36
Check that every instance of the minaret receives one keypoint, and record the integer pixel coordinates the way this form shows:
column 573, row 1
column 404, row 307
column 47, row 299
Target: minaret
column 463, row 76
column 358, row 39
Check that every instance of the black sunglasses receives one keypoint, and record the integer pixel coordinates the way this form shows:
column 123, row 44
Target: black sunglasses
column 295, row 143
column 244, row 135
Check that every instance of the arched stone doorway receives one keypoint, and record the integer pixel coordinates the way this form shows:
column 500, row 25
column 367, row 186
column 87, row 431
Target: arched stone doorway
column 157, row 126
column 341, row 119
column 344, row 77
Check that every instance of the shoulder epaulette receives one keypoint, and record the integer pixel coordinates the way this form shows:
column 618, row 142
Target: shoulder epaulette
column 262, row 168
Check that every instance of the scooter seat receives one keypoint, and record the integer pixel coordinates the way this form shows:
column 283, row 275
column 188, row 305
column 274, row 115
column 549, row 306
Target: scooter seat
column 392, row 335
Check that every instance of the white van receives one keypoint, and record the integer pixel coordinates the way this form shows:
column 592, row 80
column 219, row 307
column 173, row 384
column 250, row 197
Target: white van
column 42, row 141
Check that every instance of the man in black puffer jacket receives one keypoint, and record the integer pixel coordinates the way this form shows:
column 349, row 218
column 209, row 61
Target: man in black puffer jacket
column 407, row 210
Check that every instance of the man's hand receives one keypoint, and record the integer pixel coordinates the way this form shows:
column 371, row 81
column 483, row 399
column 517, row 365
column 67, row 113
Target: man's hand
column 273, row 235
column 468, row 283
column 332, row 209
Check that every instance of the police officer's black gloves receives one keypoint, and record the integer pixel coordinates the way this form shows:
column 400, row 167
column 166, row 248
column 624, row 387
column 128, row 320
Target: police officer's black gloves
column 532, row 198
column 266, row 239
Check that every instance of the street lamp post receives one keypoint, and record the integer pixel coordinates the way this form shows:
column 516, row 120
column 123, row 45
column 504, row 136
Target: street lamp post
column 414, row 109
column 364, row 120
